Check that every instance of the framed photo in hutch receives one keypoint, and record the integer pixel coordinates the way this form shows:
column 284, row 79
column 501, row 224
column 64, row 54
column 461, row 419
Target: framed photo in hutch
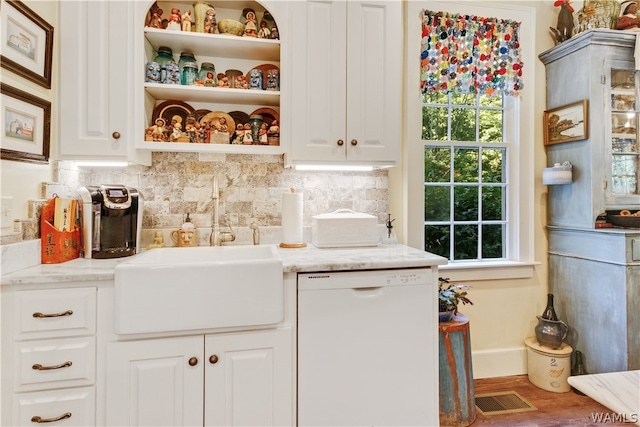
column 566, row 123
column 26, row 43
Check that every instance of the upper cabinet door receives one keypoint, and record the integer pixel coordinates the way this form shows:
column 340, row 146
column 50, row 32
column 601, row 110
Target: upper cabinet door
column 374, row 81
column 346, row 88
column 95, row 80
column 319, row 62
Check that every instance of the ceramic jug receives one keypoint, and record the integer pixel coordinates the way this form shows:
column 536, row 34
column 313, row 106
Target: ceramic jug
column 184, row 238
column 551, row 333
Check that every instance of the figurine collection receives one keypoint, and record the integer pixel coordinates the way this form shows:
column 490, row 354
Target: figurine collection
column 215, row 127
column 204, row 20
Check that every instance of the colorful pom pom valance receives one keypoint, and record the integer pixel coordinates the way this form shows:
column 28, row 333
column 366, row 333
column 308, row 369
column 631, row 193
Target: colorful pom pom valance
column 470, row 54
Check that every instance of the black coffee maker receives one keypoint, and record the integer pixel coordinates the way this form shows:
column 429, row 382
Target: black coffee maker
column 112, row 220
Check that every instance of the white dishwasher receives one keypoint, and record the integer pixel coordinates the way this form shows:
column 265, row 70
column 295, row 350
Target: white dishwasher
column 368, row 348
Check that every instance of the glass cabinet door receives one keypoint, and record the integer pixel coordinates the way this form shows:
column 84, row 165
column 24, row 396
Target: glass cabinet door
column 623, row 185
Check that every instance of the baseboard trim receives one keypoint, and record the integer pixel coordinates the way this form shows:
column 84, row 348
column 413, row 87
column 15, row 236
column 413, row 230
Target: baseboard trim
column 499, row 363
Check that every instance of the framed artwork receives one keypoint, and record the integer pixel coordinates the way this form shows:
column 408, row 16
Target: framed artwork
column 26, row 43
column 567, row 123
column 26, row 126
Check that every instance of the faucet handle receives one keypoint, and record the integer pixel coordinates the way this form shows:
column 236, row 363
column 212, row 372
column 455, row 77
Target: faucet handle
column 256, row 233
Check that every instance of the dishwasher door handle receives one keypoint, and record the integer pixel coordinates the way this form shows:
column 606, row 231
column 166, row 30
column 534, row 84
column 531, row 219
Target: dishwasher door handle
column 368, row 292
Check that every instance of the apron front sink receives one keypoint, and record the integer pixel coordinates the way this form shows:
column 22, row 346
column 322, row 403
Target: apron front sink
column 181, row 289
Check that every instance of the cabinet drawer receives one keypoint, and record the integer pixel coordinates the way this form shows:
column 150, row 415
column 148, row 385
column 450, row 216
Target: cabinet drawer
column 77, row 406
column 42, row 365
column 54, row 313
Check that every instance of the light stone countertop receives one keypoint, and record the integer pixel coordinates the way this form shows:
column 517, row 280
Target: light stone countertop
column 618, row 391
column 308, row 259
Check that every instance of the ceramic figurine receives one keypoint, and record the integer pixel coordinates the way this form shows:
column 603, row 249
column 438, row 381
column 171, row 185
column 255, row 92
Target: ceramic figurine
column 274, row 129
column 210, row 23
column 158, row 241
column 186, row 20
column 629, row 19
column 176, row 134
column 239, row 135
column 273, row 80
column 274, row 32
column 158, row 130
column 262, row 134
column 268, row 18
column 153, row 72
column 255, row 79
column 155, row 16
column 247, row 138
column 156, row 19
column 173, row 73
column 174, row 20
column 222, row 125
column 250, row 24
column 264, row 31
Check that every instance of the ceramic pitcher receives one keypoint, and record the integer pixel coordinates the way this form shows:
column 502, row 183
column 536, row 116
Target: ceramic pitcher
column 551, row 333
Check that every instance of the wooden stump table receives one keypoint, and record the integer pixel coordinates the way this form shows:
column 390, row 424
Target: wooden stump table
column 457, row 399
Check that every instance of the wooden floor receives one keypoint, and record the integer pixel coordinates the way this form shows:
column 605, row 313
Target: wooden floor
column 554, row 409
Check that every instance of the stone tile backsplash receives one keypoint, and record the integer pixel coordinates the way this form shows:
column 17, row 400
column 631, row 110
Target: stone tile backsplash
column 251, row 188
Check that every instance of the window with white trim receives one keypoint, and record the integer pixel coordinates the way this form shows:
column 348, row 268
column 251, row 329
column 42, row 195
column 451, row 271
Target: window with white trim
column 469, row 160
column 465, row 155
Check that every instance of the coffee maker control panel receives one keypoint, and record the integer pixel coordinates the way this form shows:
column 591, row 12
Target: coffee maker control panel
column 115, row 197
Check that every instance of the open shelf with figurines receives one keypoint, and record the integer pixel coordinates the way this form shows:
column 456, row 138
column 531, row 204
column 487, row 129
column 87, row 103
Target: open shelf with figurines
column 211, row 78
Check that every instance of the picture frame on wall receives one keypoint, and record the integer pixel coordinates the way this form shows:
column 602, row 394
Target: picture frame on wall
column 26, row 126
column 566, row 123
column 26, row 43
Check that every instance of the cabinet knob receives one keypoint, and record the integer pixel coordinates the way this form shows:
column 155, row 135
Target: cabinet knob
column 193, row 361
column 38, row 419
column 116, row 135
column 213, row 359
column 340, row 143
column 354, row 142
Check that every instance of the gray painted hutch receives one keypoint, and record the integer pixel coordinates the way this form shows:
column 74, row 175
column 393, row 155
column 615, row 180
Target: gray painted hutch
column 594, row 273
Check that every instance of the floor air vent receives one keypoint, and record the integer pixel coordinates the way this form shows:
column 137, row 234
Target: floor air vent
column 507, row 402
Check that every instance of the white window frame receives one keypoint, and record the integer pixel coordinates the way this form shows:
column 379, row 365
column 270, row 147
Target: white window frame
column 519, row 262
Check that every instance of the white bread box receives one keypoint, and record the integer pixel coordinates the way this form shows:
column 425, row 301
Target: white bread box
column 344, row 228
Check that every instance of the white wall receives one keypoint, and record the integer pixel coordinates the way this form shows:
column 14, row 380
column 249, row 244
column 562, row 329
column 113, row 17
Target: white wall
column 19, row 180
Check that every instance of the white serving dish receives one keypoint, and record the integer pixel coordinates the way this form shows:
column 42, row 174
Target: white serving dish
column 344, row 228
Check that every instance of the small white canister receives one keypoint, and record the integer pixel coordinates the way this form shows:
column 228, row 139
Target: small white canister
column 558, row 174
column 547, row 368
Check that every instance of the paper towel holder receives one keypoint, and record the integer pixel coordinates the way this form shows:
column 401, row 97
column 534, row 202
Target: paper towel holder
column 293, row 245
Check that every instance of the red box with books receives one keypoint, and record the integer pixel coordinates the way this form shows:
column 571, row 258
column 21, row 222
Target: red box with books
column 60, row 232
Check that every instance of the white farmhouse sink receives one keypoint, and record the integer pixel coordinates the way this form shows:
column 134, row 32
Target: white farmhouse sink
column 180, row 289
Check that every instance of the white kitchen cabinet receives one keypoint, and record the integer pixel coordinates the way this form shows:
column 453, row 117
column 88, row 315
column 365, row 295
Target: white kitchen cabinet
column 224, row 52
column 346, row 94
column 49, row 356
column 241, row 378
column 96, row 81
column 155, row 382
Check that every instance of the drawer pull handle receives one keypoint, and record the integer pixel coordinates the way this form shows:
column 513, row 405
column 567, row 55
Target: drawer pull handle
column 213, row 359
column 193, row 361
column 340, row 143
column 39, row 367
column 64, row 313
column 354, row 142
column 38, row 419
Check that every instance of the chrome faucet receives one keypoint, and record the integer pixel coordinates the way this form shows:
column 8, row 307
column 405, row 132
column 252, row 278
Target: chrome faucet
column 218, row 237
